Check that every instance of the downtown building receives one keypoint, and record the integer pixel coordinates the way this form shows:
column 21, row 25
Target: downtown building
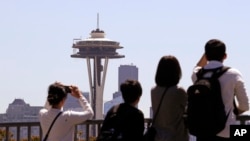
column 124, row 72
column 20, row 111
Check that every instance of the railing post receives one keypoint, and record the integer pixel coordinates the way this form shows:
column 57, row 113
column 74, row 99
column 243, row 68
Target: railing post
column 7, row 133
column 87, row 131
column 40, row 133
column 18, row 132
column 29, row 132
column 75, row 134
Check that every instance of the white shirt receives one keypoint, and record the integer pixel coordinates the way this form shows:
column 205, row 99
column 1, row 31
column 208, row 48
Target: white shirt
column 232, row 85
column 64, row 126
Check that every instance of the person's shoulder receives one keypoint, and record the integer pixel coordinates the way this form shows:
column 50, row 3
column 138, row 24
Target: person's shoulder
column 232, row 73
column 232, row 70
column 114, row 109
column 180, row 89
column 137, row 112
column 176, row 88
column 196, row 69
column 153, row 88
column 157, row 89
column 43, row 111
column 129, row 109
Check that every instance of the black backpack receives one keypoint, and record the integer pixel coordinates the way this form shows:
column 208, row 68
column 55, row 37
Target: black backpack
column 111, row 128
column 206, row 114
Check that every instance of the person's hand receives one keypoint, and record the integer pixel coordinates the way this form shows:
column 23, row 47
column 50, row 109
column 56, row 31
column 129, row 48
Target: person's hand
column 75, row 92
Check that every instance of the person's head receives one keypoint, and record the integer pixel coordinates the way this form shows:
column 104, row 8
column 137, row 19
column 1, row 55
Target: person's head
column 215, row 50
column 168, row 72
column 56, row 94
column 131, row 91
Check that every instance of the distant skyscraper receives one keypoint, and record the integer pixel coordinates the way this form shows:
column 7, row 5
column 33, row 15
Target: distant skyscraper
column 124, row 72
column 127, row 72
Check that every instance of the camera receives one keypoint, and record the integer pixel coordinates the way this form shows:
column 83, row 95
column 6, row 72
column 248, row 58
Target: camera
column 67, row 89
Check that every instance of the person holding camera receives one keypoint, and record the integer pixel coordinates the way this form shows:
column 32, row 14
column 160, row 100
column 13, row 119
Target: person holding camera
column 64, row 122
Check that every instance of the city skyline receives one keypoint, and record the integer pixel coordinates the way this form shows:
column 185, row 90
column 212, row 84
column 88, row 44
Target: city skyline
column 36, row 44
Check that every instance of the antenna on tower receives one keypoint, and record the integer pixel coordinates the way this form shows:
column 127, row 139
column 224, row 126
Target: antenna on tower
column 97, row 20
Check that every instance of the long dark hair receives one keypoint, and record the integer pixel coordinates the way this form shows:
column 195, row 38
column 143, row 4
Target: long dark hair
column 168, row 71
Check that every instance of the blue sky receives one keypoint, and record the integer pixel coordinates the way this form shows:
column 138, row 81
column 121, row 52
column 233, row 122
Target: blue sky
column 37, row 36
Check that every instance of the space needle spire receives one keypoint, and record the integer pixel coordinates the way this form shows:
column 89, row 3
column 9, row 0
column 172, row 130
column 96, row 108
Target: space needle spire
column 97, row 20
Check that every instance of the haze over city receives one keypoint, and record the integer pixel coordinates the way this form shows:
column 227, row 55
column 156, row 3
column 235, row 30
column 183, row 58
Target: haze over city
column 37, row 37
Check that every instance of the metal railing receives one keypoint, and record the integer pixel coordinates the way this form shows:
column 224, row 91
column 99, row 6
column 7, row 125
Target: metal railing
column 83, row 131
column 23, row 131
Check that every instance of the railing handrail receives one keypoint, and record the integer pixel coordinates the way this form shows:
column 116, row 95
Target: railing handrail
column 242, row 118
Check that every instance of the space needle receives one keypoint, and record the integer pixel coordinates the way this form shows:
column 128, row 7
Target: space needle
column 97, row 50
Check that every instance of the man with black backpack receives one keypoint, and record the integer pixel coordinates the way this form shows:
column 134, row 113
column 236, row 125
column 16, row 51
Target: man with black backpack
column 209, row 68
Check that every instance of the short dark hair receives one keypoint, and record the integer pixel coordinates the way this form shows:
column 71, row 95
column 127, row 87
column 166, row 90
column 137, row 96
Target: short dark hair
column 215, row 50
column 168, row 72
column 56, row 93
column 131, row 90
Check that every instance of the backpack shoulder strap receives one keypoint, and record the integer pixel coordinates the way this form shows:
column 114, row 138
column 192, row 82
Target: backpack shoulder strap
column 218, row 72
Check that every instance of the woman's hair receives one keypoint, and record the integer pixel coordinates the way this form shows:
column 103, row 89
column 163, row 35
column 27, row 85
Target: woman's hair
column 168, row 72
column 131, row 90
column 56, row 93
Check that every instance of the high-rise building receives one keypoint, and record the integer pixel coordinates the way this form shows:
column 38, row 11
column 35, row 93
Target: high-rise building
column 124, row 72
column 97, row 49
column 127, row 72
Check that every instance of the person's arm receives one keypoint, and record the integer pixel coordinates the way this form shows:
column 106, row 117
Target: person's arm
column 241, row 96
column 203, row 61
column 76, row 117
